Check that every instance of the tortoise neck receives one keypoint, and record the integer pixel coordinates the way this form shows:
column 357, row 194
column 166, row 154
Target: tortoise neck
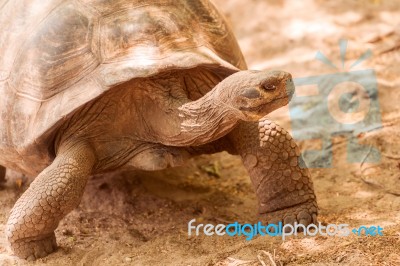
column 204, row 121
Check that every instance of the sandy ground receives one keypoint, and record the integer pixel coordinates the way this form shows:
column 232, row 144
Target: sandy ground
column 140, row 218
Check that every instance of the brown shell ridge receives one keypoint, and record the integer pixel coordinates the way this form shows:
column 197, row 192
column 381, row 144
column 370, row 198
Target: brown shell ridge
column 133, row 69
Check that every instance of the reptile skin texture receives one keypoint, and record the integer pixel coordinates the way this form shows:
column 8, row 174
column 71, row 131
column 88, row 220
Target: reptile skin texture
column 53, row 194
column 272, row 158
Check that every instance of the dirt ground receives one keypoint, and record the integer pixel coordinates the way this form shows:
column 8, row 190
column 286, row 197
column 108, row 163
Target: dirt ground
column 140, row 218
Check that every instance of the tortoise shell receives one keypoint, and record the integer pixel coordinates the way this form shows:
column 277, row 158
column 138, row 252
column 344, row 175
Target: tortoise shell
column 58, row 55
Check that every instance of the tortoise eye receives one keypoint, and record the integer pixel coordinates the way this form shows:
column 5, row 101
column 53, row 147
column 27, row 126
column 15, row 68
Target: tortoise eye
column 269, row 87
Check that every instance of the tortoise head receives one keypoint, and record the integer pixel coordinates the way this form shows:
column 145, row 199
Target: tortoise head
column 257, row 93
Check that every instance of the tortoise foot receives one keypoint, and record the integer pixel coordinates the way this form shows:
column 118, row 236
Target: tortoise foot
column 305, row 214
column 33, row 249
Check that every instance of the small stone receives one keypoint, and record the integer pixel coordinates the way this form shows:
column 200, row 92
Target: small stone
column 285, row 155
column 278, row 128
column 127, row 259
column 273, row 133
column 282, row 139
column 262, row 129
column 288, row 137
column 67, row 232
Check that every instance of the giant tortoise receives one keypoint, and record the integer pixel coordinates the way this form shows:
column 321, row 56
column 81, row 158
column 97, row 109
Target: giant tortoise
column 92, row 86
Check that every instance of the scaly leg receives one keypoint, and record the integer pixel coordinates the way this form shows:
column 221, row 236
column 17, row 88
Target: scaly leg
column 284, row 189
column 52, row 195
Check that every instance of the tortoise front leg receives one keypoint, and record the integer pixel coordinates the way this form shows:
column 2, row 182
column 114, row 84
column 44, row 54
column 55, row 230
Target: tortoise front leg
column 52, row 195
column 284, row 189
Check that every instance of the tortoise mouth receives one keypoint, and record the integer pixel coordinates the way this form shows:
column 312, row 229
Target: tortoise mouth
column 263, row 105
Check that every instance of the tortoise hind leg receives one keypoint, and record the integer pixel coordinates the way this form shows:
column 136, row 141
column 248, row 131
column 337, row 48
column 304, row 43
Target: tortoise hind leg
column 53, row 194
column 2, row 174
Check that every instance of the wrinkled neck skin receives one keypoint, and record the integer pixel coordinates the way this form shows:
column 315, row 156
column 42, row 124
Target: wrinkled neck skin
column 204, row 120
column 188, row 122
